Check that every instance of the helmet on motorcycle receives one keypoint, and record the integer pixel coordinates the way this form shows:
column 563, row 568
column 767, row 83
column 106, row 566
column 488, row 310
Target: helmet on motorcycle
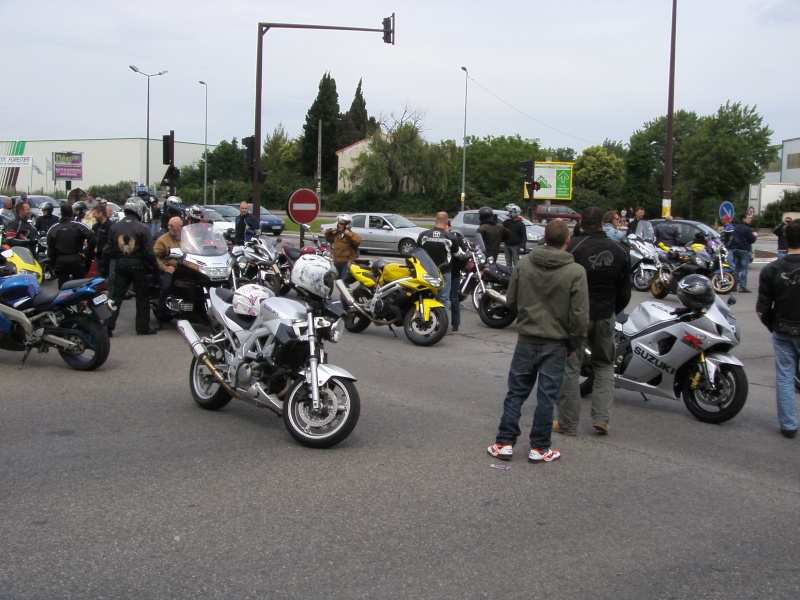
column 485, row 214
column 344, row 218
column 133, row 208
column 173, row 202
column 696, row 291
column 195, row 213
column 700, row 238
column 513, row 211
column 378, row 265
column 247, row 299
column 314, row 275
column 79, row 210
column 47, row 208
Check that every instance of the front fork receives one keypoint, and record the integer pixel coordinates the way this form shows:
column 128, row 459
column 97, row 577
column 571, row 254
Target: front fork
column 313, row 360
column 702, row 374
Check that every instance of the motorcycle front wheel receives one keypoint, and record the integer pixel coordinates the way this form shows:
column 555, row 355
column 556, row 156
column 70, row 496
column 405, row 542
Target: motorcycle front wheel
column 641, row 279
column 657, row 287
column 354, row 321
column 206, row 390
column 722, row 404
column 426, row 333
column 494, row 313
column 336, row 417
column 272, row 282
column 92, row 340
column 723, row 282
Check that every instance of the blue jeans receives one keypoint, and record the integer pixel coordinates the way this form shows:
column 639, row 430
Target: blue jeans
column 455, row 302
column 787, row 351
column 512, row 255
column 342, row 270
column 443, row 295
column 742, row 265
column 548, row 362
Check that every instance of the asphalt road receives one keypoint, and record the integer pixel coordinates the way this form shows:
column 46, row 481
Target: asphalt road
column 114, row 484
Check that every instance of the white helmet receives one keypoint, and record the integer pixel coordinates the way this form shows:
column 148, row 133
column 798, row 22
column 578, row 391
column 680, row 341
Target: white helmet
column 314, row 275
column 513, row 210
column 344, row 218
column 247, row 299
column 173, row 202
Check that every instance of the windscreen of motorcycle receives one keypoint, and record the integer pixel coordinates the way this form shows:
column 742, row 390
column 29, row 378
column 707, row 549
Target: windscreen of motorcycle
column 425, row 261
column 645, row 231
column 201, row 239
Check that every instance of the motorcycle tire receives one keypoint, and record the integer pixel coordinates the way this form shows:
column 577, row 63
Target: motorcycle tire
column 494, row 313
column 92, row 339
column 723, row 283
column 340, row 407
column 284, row 289
column 586, row 378
column 354, row 321
column 272, row 283
column 642, row 279
column 477, row 294
column 657, row 288
column 426, row 333
column 717, row 407
column 206, row 390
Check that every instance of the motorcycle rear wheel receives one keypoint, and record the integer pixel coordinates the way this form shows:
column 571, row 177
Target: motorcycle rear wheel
column 354, row 321
column 494, row 313
column 642, row 279
column 92, row 339
column 723, row 282
column 426, row 333
column 272, row 282
column 206, row 390
column 340, row 407
column 657, row 288
column 720, row 406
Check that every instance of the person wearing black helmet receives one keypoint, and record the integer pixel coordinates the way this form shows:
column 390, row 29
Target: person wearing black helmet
column 131, row 246
column 491, row 231
column 47, row 219
column 65, row 243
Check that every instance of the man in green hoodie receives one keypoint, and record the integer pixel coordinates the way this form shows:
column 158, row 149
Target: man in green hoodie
column 549, row 293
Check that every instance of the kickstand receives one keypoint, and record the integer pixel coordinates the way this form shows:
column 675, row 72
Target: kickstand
column 392, row 330
column 25, row 357
column 646, row 399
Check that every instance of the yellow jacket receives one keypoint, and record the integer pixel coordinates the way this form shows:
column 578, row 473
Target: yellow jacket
column 162, row 248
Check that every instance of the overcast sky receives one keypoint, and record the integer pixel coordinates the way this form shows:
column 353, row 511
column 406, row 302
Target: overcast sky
column 570, row 73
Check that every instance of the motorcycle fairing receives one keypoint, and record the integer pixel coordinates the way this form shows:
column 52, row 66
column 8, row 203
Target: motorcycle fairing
column 427, row 305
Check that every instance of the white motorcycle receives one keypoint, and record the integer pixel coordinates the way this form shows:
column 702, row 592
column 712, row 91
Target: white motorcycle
column 269, row 352
column 683, row 352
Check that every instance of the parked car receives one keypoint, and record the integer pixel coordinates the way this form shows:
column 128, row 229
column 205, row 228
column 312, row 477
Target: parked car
column 382, row 232
column 688, row 229
column 466, row 222
column 210, row 215
column 269, row 222
column 548, row 212
column 37, row 201
column 226, row 211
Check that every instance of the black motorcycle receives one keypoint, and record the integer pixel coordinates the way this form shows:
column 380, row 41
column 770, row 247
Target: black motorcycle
column 492, row 307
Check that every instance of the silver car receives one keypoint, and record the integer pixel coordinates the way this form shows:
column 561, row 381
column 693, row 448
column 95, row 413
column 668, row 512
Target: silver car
column 381, row 232
column 466, row 222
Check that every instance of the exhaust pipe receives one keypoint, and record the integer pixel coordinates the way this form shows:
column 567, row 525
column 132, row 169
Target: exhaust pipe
column 495, row 295
column 201, row 352
column 351, row 302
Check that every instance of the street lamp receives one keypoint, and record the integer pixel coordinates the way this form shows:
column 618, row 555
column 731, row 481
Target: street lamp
column 147, row 149
column 464, row 155
column 205, row 150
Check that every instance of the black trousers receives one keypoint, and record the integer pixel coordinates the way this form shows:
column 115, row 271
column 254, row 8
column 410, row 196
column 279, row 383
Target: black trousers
column 68, row 270
column 127, row 271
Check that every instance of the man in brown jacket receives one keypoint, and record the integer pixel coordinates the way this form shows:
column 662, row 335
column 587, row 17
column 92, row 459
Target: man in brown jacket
column 171, row 239
column 345, row 243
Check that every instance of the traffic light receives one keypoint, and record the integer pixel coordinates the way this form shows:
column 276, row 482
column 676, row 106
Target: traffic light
column 168, row 148
column 527, row 170
column 536, row 186
column 171, row 177
column 388, row 30
column 250, row 156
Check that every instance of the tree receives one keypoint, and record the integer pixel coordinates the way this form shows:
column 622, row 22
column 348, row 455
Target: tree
column 494, row 177
column 281, row 162
column 356, row 124
column 600, row 171
column 326, row 109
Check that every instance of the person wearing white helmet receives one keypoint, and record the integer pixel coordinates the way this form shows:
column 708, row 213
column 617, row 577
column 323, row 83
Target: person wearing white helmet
column 172, row 208
column 345, row 243
column 515, row 234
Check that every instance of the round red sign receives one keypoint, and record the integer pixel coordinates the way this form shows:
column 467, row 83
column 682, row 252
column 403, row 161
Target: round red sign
column 302, row 206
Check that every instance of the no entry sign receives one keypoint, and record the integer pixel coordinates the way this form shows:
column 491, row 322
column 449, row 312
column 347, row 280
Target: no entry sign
column 302, row 206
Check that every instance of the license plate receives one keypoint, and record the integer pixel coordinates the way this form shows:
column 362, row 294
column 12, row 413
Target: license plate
column 100, row 299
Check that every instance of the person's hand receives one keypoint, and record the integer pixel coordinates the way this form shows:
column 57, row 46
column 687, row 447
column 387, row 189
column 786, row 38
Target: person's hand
column 570, row 355
column 169, row 270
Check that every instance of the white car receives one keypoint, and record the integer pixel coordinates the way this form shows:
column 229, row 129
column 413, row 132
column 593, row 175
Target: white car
column 220, row 224
column 381, row 232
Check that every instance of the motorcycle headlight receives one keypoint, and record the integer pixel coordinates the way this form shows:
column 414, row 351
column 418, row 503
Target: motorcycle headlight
column 242, row 262
column 431, row 280
column 336, row 330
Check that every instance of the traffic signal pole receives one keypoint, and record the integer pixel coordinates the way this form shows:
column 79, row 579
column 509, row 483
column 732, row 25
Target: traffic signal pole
column 388, row 37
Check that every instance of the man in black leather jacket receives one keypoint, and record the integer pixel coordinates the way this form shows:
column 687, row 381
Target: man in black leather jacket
column 779, row 311
column 65, row 247
column 26, row 234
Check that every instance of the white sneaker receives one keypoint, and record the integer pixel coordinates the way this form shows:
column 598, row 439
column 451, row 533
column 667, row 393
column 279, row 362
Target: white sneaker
column 540, row 456
column 501, row 451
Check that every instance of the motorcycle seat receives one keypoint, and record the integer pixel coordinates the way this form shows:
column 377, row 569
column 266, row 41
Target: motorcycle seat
column 224, row 294
column 75, row 283
column 292, row 252
column 243, row 321
column 44, row 298
column 503, row 269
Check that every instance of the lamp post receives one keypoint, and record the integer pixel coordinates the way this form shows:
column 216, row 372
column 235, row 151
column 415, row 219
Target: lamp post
column 666, row 202
column 147, row 145
column 205, row 149
column 464, row 154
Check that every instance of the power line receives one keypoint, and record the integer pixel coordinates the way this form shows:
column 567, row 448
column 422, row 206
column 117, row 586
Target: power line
column 528, row 116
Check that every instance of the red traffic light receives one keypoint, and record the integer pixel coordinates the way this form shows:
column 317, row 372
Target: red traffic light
column 536, row 186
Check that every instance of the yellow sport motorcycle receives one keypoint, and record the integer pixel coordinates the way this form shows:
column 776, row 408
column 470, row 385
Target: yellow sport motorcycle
column 390, row 293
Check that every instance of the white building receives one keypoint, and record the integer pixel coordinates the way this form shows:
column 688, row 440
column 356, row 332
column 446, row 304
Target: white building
column 103, row 162
column 346, row 158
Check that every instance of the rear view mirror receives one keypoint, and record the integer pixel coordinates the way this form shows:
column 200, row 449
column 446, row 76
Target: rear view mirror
column 175, row 253
column 731, row 301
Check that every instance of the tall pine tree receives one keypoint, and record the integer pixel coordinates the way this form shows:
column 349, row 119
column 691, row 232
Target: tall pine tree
column 356, row 123
column 326, row 109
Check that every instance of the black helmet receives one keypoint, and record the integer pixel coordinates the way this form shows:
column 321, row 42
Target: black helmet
column 696, row 292
column 47, row 208
column 700, row 237
column 79, row 210
column 485, row 214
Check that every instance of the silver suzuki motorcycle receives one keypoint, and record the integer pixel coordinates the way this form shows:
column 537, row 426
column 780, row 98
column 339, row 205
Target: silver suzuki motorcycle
column 681, row 353
column 268, row 351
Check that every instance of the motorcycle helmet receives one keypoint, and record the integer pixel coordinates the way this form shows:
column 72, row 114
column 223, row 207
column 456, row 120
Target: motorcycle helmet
column 247, row 299
column 699, row 238
column 485, row 214
column 195, row 213
column 513, row 211
column 314, row 275
column 133, row 208
column 378, row 266
column 696, row 292
column 173, row 202
column 79, row 210
column 47, row 208
column 344, row 218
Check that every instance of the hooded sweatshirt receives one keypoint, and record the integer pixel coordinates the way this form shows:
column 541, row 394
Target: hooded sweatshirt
column 549, row 293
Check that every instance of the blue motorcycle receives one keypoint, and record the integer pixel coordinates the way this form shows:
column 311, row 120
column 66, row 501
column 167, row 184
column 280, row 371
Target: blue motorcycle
column 69, row 320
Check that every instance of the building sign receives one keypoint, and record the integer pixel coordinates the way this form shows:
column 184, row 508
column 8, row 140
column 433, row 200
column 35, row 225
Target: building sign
column 15, row 161
column 68, row 165
column 554, row 179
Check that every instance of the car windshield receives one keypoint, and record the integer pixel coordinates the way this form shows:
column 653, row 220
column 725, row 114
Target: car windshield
column 227, row 211
column 399, row 222
column 37, row 202
column 645, row 231
column 201, row 239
